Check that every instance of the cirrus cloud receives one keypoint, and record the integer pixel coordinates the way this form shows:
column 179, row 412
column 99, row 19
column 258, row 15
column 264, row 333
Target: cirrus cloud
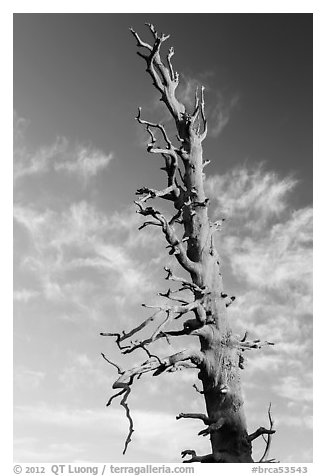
column 83, row 161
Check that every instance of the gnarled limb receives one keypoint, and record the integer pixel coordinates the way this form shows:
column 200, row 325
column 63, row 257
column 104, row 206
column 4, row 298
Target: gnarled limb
column 168, row 293
column 149, row 125
column 170, row 155
column 269, row 436
column 195, row 306
column 150, row 365
column 142, row 345
column 255, row 344
column 157, row 334
column 171, row 238
column 259, row 432
column 161, row 74
column 119, row 338
column 168, row 318
column 173, row 75
column 152, row 193
column 126, row 335
column 182, row 365
column 196, row 458
column 148, row 223
column 197, row 416
column 199, row 110
column 214, row 426
column 113, row 397
column 119, row 369
column 123, row 402
column 126, row 377
column 185, row 284
column 244, row 344
column 179, row 310
column 202, row 110
column 189, row 326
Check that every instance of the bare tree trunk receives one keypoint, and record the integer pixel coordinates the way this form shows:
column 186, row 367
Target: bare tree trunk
column 219, row 359
column 220, row 367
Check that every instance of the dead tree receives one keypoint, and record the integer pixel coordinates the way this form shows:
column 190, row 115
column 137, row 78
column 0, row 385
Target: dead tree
column 189, row 234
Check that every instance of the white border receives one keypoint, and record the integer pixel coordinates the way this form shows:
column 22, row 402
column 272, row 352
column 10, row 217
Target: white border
column 170, row 6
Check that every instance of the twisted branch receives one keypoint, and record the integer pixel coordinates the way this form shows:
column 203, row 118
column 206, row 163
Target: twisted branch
column 123, row 402
column 255, row 344
column 152, row 193
column 126, row 335
column 259, row 432
column 150, row 365
column 197, row 416
column 171, row 237
column 161, row 74
column 156, row 126
column 269, row 436
column 196, row 458
column 185, row 284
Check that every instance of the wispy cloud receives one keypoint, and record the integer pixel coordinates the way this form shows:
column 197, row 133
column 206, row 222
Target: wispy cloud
column 280, row 260
column 220, row 114
column 250, row 194
column 38, row 162
column 274, row 251
column 77, row 160
column 24, row 295
column 78, row 239
column 302, row 422
column 20, row 125
column 294, row 389
column 85, row 162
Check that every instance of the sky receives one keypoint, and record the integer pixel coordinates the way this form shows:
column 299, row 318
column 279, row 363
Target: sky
column 81, row 266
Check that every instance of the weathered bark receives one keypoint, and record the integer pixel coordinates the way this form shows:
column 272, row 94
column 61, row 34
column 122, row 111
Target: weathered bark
column 220, row 357
column 220, row 368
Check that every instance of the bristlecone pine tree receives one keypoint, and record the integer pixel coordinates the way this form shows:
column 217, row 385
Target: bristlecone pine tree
column 190, row 237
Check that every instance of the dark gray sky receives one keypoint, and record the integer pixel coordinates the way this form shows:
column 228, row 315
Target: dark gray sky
column 78, row 75
column 81, row 266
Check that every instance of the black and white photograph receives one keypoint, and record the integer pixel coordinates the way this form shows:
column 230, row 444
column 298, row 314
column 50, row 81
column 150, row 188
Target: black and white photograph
column 162, row 237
